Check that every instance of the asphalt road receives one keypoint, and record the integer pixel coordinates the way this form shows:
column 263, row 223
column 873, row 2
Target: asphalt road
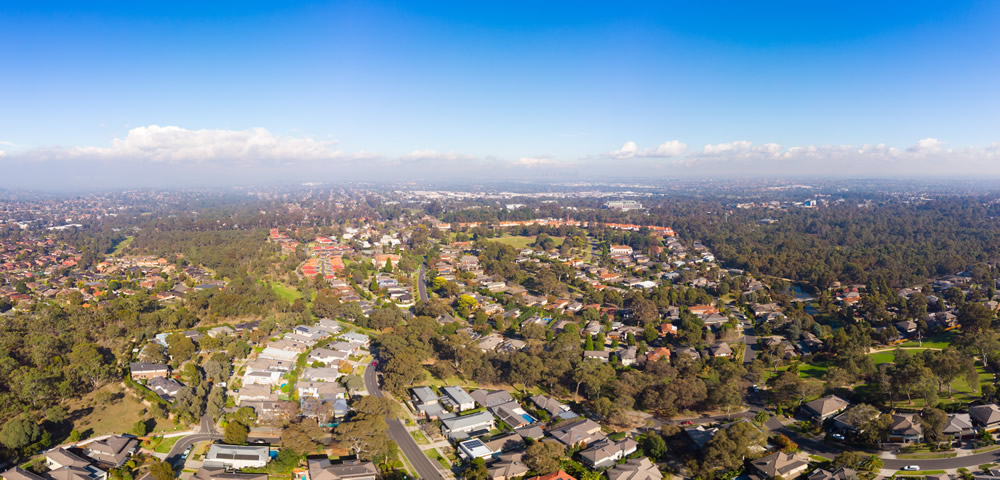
column 206, row 432
column 426, row 468
column 422, row 282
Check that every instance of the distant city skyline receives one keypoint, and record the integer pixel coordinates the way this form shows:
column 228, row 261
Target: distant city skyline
column 134, row 94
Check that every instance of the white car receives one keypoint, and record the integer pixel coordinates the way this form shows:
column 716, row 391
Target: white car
column 911, row 468
column 837, row 436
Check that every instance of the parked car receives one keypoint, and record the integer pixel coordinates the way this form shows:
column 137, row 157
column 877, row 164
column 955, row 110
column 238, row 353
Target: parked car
column 837, row 436
column 911, row 468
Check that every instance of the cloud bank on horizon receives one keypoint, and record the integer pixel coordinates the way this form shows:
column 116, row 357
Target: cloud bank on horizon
column 156, row 155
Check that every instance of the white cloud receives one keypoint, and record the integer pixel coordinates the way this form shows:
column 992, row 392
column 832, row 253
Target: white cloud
column 422, row 155
column 173, row 145
column 667, row 149
column 536, row 161
column 6, row 143
column 628, row 150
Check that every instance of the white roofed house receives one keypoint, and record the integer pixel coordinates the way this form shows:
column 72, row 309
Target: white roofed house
column 262, row 377
column 358, row 338
column 325, row 374
column 460, row 427
column 237, row 456
column 167, row 388
column 328, row 356
column 458, row 398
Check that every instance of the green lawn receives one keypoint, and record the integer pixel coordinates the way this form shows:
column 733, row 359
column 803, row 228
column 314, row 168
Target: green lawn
column 122, row 245
column 434, row 455
column 813, row 370
column 286, row 292
column 941, row 340
column 419, row 437
column 883, row 357
column 919, row 473
column 522, row 242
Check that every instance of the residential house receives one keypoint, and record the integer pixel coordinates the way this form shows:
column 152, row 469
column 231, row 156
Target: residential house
column 635, row 469
column 473, row 448
column 262, row 377
column 328, row 356
column 167, row 388
column 578, row 432
column 321, row 374
column 66, row 465
column 507, row 466
column 458, row 398
column 842, row 473
column 237, row 456
column 553, row 406
column 423, row 396
column 321, row 390
column 855, row 418
column 491, row 399
column 605, row 452
column 780, row 464
column 490, row 342
column 221, row 330
column 321, row 469
column 986, row 417
column 722, row 350
column 113, row 450
column 823, row 408
column 959, row 426
column 255, row 393
column 145, row 371
column 18, row 473
column 353, row 337
column 598, row 355
column 905, row 428
column 459, row 427
column 512, row 414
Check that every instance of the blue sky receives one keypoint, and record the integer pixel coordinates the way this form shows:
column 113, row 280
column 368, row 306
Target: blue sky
column 438, row 87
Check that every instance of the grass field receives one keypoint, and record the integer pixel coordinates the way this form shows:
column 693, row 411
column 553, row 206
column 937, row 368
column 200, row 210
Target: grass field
column 117, row 417
column 286, row 292
column 919, row 473
column 813, row 370
column 122, row 245
column 522, row 242
column 924, row 456
column 883, row 357
column 166, row 444
column 941, row 340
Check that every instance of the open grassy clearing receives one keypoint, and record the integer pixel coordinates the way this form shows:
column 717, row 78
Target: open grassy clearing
column 122, row 245
column 92, row 418
column 288, row 293
column 941, row 340
column 523, row 242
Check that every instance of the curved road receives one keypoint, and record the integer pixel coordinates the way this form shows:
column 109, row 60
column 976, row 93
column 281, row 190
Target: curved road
column 206, row 432
column 425, row 467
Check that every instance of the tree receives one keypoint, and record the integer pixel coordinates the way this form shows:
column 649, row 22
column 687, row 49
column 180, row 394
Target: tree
column 730, row 446
column 543, row 457
column 655, row 446
column 933, row 421
column 476, row 471
column 353, row 383
column 303, row 437
column 236, row 433
column 180, row 347
column 140, row 428
column 19, row 433
column 161, row 471
column 365, row 435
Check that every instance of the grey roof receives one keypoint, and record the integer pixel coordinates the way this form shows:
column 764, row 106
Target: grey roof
column 827, row 405
column 322, row 469
column 635, row 469
column 18, row 473
column 580, row 431
column 491, row 399
column 465, row 421
column 147, row 367
column 601, row 452
column 424, row 394
column 985, row 414
column 778, row 463
column 459, row 395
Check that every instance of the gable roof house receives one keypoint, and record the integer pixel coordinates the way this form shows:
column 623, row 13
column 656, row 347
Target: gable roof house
column 491, row 399
column 237, row 456
column 66, row 465
column 986, row 417
column 113, row 450
column 959, row 426
column 145, row 370
column 579, row 432
column 785, row 465
column 460, row 427
column 905, row 428
column 458, row 398
column 553, row 406
column 167, row 388
column 823, row 408
column 841, row 473
column 322, row 469
column 507, row 467
column 635, row 469
column 605, row 452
